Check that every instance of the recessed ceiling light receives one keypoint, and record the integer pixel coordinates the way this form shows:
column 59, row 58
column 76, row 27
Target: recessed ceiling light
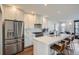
column 70, row 23
column 58, row 12
column 45, row 4
column 63, row 24
column 46, row 16
column 14, row 8
column 32, row 12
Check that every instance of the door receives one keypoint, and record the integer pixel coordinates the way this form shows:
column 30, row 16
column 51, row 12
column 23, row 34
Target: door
column 19, row 35
column 10, row 46
column 76, row 28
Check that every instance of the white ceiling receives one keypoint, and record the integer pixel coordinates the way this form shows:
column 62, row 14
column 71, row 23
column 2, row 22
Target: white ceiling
column 53, row 11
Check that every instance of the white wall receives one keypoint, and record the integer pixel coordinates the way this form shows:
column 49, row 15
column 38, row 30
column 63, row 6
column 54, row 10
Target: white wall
column 0, row 37
column 0, row 31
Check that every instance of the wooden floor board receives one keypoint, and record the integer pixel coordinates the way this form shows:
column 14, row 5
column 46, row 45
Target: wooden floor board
column 27, row 51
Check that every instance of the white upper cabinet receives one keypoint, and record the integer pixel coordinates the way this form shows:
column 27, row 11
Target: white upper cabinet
column 12, row 13
column 29, row 20
column 39, row 19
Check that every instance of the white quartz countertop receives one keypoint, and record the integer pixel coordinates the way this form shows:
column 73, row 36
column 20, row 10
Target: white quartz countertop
column 51, row 39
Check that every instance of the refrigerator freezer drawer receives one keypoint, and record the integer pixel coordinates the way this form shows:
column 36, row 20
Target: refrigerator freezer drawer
column 10, row 49
column 20, row 46
column 10, row 41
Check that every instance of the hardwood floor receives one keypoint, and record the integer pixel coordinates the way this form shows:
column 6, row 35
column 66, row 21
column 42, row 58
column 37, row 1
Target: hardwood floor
column 27, row 51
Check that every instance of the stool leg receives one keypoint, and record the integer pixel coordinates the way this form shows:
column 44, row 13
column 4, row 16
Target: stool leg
column 56, row 52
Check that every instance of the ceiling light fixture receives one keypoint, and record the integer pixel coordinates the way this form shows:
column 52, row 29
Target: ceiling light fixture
column 70, row 23
column 58, row 12
column 45, row 4
column 14, row 8
column 63, row 24
column 32, row 12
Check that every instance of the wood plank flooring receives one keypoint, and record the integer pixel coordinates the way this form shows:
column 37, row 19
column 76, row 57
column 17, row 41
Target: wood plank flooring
column 27, row 51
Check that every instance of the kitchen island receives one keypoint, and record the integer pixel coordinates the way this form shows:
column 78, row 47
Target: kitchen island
column 42, row 44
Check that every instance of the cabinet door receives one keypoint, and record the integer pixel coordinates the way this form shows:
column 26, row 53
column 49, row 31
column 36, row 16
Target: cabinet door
column 39, row 19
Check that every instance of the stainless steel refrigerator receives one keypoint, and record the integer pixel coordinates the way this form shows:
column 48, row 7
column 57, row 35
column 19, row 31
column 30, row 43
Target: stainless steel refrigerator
column 13, row 37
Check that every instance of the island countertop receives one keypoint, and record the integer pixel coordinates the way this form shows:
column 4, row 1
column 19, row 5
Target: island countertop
column 51, row 39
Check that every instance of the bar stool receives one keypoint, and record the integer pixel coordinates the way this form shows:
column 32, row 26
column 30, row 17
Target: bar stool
column 72, row 43
column 58, row 48
column 63, row 42
column 72, row 38
column 67, row 40
column 67, row 45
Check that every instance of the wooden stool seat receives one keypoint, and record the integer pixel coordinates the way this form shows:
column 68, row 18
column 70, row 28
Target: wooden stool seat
column 55, row 47
column 58, row 48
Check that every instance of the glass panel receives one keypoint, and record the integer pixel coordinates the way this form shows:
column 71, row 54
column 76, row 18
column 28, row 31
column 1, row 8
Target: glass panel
column 77, row 28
